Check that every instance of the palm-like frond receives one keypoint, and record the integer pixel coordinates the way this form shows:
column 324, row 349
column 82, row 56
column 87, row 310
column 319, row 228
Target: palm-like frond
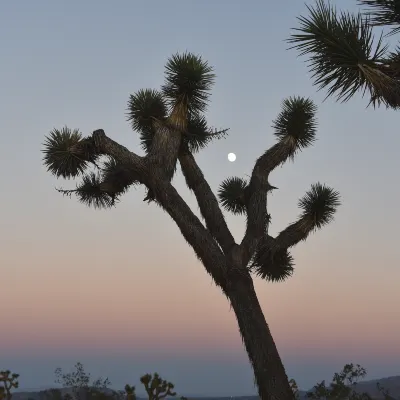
column 199, row 134
column 319, row 205
column 144, row 108
column 67, row 154
column 391, row 64
column 343, row 56
column 296, row 123
column 383, row 13
column 231, row 194
column 188, row 81
column 147, row 109
column 273, row 266
column 90, row 192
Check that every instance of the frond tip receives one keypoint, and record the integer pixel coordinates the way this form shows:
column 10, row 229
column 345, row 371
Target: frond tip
column 343, row 56
column 273, row 266
column 199, row 134
column 91, row 193
column 232, row 193
column 383, row 13
column 296, row 123
column 319, row 205
column 188, row 81
column 67, row 154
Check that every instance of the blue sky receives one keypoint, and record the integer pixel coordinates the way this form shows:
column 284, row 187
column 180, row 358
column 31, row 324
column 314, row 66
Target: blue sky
column 75, row 63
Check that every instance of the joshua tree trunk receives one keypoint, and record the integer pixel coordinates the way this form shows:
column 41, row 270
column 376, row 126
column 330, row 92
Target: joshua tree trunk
column 269, row 372
column 170, row 137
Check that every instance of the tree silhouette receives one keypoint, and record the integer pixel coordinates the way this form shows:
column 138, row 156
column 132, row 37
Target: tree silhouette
column 156, row 387
column 346, row 57
column 172, row 127
column 295, row 389
column 343, row 386
column 9, row 381
column 79, row 382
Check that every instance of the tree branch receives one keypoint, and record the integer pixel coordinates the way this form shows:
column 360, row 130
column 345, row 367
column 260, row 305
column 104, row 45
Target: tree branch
column 207, row 201
column 200, row 239
column 257, row 195
column 293, row 234
column 204, row 245
column 105, row 145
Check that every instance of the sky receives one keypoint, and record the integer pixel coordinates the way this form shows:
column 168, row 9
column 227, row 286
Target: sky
column 120, row 290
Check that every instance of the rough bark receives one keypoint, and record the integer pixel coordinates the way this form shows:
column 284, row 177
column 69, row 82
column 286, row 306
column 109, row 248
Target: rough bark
column 223, row 259
column 270, row 375
column 198, row 237
column 207, row 201
column 257, row 203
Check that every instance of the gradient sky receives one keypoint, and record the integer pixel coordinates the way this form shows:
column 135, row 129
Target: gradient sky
column 120, row 290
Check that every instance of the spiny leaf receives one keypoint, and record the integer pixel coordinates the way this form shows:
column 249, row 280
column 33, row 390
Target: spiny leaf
column 383, row 13
column 90, row 192
column 296, row 123
column 67, row 154
column 231, row 194
column 188, row 80
column 319, row 205
column 273, row 266
column 196, row 137
column 343, row 56
column 145, row 107
column 199, row 135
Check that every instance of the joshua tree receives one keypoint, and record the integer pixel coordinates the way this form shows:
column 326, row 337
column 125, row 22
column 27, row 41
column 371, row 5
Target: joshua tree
column 130, row 392
column 156, row 387
column 9, row 381
column 172, row 128
column 345, row 56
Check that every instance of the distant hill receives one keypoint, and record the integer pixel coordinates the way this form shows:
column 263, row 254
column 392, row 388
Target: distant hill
column 391, row 383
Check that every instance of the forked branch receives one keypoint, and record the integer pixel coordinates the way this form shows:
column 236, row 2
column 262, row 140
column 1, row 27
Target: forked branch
column 107, row 146
column 257, row 192
column 295, row 127
column 204, row 245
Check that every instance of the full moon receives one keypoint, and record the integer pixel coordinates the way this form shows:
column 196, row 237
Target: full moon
column 231, row 157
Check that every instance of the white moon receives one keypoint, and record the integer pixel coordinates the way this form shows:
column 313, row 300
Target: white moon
column 231, row 157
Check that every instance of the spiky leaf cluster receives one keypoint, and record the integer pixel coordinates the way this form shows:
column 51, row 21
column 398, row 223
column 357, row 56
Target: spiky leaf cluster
column 67, row 154
column 391, row 64
column 343, row 56
column 232, row 195
column 90, row 192
column 383, row 13
column 296, row 123
column 199, row 134
column 319, row 205
column 145, row 108
column 272, row 265
column 147, row 111
column 188, row 81
column 102, row 189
